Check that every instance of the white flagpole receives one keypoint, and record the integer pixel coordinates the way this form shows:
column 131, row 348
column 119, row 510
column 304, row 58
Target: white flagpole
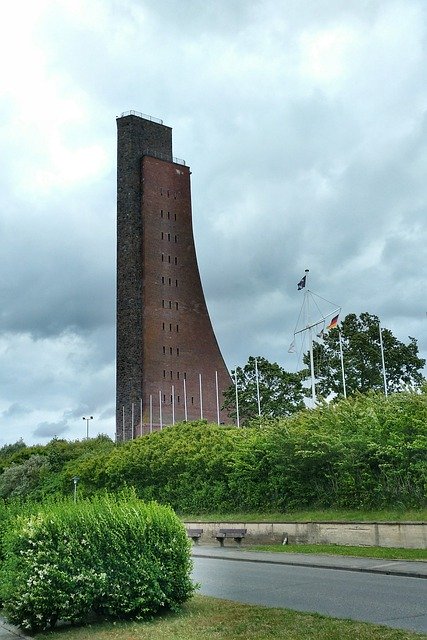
column 342, row 364
column 151, row 413
column 185, row 401
column 237, row 398
column 160, row 410
column 201, row 396
column 313, row 386
column 140, row 416
column 173, row 405
column 217, row 395
column 382, row 360
column 310, row 338
column 133, row 420
column 257, row 387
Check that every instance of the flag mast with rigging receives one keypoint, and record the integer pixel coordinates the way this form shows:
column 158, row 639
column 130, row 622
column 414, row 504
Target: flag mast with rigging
column 309, row 324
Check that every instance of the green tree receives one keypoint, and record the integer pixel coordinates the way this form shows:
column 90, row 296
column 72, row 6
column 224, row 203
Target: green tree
column 20, row 480
column 281, row 393
column 361, row 349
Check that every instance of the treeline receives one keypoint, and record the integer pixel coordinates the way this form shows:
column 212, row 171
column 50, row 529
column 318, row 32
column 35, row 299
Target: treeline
column 365, row 452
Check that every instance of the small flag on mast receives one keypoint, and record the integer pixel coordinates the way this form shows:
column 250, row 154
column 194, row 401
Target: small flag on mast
column 333, row 323
column 301, row 283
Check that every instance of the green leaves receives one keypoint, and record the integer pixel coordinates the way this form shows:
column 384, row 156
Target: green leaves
column 116, row 556
column 362, row 359
column 280, row 392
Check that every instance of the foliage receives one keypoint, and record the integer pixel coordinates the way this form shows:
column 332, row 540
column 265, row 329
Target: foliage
column 364, row 453
column 21, row 479
column 362, row 359
column 115, row 556
column 392, row 553
column 40, row 471
column 280, row 392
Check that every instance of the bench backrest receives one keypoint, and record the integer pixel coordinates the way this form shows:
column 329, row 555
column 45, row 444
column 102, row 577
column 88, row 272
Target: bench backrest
column 233, row 533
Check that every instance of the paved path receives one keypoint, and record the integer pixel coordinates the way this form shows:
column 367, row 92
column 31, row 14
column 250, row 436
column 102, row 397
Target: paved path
column 391, row 593
column 406, row 568
column 9, row 632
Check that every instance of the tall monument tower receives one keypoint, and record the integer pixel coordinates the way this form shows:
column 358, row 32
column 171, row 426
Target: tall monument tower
column 169, row 366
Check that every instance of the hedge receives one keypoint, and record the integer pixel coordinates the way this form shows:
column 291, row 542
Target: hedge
column 114, row 556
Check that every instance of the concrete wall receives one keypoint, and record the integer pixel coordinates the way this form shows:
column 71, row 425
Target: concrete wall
column 407, row 535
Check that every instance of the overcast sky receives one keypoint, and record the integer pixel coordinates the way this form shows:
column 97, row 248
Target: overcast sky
column 304, row 124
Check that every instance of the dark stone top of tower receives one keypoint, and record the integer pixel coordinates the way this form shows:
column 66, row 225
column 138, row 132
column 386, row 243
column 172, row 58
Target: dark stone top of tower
column 141, row 136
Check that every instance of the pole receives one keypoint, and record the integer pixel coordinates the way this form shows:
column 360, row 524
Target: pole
column 201, row 396
column 313, row 386
column 185, row 401
column 217, row 396
column 173, row 405
column 87, row 426
column 342, row 364
column 151, row 413
column 160, row 410
column 382, row 360
column 133, row 421
column 123, row 412
column 140, row 416
column 237, row 398
column 257, row 387
column 75, row 480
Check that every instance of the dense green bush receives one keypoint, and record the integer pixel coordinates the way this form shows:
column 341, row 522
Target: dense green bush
column 365, row 452
column 115, row 556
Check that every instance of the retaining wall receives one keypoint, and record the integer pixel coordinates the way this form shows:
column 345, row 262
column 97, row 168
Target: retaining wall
column 407, row 535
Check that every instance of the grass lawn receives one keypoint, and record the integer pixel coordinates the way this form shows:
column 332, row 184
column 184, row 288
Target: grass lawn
column 212, row 619
column 322, row 515
column 339, row 550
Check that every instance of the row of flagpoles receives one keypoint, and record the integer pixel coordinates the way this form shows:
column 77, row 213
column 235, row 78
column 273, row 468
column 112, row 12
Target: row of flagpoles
column 134, row 423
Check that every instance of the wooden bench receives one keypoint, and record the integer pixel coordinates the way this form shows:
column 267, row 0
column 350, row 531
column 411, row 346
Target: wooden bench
column 194, row 534
column 236, row 534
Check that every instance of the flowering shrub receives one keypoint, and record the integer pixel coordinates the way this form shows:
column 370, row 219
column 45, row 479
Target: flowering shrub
column 115, row 556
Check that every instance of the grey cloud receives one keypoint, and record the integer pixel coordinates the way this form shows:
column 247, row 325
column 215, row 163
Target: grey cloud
column 15, row 409
column 50, row 429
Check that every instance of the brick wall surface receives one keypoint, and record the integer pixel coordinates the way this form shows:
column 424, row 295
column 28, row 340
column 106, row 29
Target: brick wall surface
column 165, row 342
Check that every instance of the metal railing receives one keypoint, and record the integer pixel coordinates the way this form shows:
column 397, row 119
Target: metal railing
column 162, row 156
column 141, row 115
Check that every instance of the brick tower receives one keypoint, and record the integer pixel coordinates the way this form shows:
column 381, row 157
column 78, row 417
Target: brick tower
column 169, row 366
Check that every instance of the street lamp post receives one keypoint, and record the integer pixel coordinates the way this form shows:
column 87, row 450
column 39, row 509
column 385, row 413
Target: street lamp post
column 87, row 425
column 75, row 480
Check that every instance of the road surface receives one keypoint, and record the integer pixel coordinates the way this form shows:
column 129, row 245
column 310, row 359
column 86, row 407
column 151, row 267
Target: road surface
column 395, row 601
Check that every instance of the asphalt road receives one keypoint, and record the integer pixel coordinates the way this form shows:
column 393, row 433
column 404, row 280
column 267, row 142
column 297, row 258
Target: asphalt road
column 391, row 600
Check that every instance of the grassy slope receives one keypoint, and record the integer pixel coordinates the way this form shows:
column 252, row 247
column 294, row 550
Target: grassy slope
column 339, row 550
column 325, row 515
